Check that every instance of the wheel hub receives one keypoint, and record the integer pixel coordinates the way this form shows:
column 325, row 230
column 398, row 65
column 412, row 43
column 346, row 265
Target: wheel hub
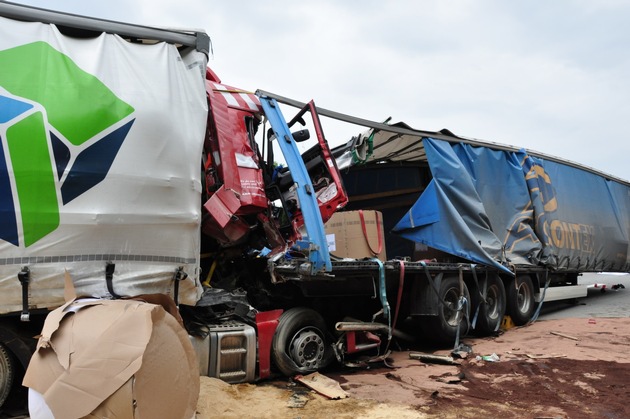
column 307, row 349
column 492, row 299
column 451, row 313
column 523, row 298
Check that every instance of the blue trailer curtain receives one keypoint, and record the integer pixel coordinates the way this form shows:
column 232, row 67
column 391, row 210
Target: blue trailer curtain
column 450, row 215
column 503, row 208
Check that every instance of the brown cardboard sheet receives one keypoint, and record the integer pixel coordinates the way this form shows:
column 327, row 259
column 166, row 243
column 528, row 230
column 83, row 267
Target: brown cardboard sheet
column 351, row 235
column 106, row 355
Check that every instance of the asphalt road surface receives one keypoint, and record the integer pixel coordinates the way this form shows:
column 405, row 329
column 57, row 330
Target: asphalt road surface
column 613, row 300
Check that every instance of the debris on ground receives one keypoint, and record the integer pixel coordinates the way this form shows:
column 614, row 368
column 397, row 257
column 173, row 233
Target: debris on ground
column 541, row 356
column 558, row 373
column 564, row 335
column 323, row 385
column 297, row 400
column 433, row 359
column 488, row 358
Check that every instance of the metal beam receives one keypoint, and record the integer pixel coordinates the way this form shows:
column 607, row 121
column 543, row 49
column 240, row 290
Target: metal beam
column 197, row 39
column 315, row 240
column 438, row 136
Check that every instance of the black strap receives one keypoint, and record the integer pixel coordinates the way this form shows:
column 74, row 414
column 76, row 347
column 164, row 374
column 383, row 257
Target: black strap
column 109, row 279
column 180, row 275
column 25, row 277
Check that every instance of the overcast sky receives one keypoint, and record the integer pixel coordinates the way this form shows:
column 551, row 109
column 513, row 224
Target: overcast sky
column 552, row 76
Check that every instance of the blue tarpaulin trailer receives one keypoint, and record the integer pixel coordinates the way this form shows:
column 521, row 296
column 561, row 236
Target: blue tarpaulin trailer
column 501, row 206
column 473, row 230
column 505, row 208
column 534, row 221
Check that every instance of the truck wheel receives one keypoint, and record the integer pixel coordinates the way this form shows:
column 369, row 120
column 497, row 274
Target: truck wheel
column 443, row 327
column 491, row 312
column 7, row 372
column 299, row 344
column 520, row 299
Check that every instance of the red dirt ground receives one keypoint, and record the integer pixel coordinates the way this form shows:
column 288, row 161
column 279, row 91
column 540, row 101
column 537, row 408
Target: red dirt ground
column 571, row 368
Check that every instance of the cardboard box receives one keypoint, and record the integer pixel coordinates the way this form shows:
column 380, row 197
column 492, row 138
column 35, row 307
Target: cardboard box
column 114, row 359
column 356, row 234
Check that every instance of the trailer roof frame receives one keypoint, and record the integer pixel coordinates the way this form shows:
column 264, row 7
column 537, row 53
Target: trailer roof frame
column 442, row 135
column 191, row 38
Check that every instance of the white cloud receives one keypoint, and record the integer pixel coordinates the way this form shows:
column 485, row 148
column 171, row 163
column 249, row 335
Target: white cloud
column 547, row 76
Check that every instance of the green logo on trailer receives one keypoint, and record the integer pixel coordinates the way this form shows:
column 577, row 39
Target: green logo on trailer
column 60, row 130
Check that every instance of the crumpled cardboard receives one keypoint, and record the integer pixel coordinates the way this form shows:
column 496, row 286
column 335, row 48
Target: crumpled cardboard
column 114, row 359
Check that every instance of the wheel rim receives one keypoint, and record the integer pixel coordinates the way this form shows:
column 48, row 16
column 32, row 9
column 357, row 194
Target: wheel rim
column 492, row 302
column 451, row 314
column 307, row 348
column 523, row 297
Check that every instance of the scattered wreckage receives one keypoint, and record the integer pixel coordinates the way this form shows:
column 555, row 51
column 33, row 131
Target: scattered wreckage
column 132, row 169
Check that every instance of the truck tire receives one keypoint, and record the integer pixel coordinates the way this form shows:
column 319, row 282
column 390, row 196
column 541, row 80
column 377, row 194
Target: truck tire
column 300, row 345
column 491, row 312
column 443, row 327
column 520, row 299
column 7, row 373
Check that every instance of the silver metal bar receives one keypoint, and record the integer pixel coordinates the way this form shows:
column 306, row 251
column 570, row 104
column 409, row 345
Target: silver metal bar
column 361, row 327
column 437, row 135
column 192, row 38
